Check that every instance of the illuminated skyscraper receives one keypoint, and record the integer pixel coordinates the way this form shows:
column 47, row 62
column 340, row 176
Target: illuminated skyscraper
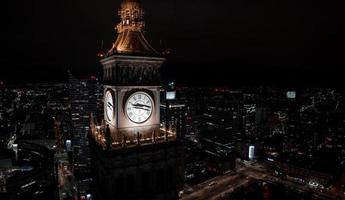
column 83, row 103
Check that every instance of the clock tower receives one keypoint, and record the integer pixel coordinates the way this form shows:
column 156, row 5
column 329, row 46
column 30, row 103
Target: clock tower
column 133, row 156
column 132, row 82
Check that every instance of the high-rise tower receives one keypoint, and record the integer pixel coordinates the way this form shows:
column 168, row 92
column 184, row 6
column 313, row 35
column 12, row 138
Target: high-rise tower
column 83, row 102
column 133, row 156
column 132, row 80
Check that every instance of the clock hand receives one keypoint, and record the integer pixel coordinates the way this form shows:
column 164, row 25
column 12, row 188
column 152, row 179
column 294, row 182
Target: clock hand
column 137, row 107
column 141, row 105
column 109, row 104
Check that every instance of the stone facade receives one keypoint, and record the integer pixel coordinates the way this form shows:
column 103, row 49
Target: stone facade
column 136, row 71
column 148, row 172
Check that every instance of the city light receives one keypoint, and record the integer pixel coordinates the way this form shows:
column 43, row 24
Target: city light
column 291, row 94
column 171, row 95
column 251, row 153
column 179, row 100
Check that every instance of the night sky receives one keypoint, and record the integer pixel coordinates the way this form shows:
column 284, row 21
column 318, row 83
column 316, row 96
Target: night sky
column 269, row 41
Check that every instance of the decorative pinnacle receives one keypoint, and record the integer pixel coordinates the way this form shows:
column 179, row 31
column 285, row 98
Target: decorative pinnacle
column 130, row 39
column 132, row 16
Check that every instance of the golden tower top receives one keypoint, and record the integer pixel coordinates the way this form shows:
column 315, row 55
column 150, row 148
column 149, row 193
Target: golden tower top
column 130, row 39
column 132, row 16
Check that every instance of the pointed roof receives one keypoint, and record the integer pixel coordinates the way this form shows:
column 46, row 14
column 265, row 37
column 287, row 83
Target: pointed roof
column 132, row 42
column 130, row 39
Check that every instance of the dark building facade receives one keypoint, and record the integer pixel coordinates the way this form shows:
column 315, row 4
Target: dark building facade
column 133, row 156
column 147, row 172
column 27, row 173
column 173, row 114
column 83, row 102
column 221, row 126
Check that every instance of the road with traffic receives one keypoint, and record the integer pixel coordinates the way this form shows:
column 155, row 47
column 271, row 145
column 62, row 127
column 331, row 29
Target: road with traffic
column 221, row 186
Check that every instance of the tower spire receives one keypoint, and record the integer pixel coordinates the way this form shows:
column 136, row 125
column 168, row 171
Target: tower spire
column 132, row 16
column 130, row 29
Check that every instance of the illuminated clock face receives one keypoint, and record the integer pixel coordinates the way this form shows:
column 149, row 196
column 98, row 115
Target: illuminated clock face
column 109, row 106
column 139, row 107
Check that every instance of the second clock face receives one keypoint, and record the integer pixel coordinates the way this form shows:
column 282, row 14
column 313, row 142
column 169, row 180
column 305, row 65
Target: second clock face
column 139, row 107
column 109, row 103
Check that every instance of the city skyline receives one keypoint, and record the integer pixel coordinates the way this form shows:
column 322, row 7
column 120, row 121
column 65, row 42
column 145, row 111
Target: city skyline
column 197, row 100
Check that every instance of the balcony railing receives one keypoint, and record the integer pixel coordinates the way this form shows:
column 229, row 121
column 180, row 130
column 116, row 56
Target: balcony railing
column 99, row 136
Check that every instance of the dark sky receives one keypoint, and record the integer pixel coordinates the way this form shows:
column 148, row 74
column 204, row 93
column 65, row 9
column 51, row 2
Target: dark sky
column 299, row 40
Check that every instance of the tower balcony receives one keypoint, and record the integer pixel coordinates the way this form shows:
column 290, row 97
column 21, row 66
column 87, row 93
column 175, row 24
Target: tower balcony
column 160, row 135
